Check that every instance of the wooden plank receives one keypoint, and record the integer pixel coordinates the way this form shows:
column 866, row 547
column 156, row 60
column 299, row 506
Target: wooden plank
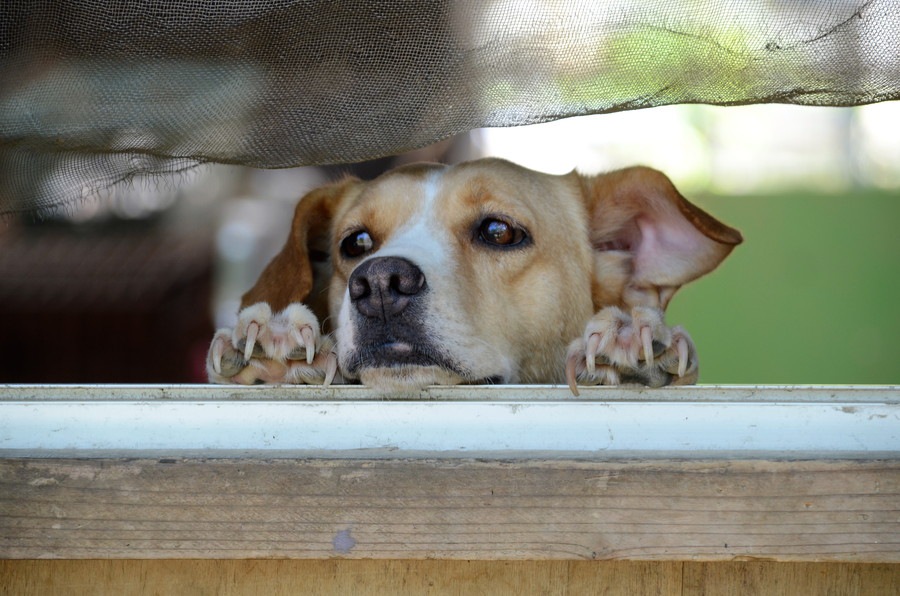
column 790, row 579
column 393, row 578
column 711, row 510
column 338, row 577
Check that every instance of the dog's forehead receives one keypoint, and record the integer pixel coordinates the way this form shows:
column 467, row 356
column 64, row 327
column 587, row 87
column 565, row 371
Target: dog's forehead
column 496, row 184
column 466, row 183
column 393, row 198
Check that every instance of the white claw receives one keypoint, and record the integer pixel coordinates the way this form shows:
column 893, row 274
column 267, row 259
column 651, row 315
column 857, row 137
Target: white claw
column 647, row 341
column 310, row 343
column 590, row 352
column 252, row 333
column 681, row 346
column 331, row 365
column 218, row 351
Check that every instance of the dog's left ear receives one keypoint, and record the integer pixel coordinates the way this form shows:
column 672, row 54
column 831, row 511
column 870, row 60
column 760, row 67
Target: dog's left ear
column 648, row 240
column 291, row 276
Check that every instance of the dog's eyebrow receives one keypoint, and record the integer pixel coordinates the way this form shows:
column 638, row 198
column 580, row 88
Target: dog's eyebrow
column 478, row 190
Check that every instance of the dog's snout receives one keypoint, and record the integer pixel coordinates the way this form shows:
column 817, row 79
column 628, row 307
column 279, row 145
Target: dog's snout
column 383, row 287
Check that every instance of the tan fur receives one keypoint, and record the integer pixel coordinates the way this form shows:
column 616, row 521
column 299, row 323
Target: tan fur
column 626, row 239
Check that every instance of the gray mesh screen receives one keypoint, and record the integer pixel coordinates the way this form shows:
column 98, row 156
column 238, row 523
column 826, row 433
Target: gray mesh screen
column 93, row 92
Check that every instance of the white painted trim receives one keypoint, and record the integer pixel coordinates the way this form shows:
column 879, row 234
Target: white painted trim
column 503, row 421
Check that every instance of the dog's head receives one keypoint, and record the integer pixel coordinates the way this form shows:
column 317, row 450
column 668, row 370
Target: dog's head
column 484, row 271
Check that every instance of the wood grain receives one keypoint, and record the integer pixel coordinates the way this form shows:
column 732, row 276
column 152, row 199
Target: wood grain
column 790, row 579
column 391, row 577
column 451, row 509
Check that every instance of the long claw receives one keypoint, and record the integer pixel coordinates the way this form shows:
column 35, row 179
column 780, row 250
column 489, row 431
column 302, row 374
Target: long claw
column 331, row 365
column 682, row 348
column 310, row 343
column 571, row 363
column 218, row 351
column 252, row 333
column 647, row 341
column 590, row 352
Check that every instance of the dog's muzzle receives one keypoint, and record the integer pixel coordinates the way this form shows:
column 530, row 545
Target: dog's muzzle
column 388, row 295
column 389, row 299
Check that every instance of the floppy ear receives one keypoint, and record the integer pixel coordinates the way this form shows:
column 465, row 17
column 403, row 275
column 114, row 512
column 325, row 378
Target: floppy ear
column 296, row 274
column 648, row 240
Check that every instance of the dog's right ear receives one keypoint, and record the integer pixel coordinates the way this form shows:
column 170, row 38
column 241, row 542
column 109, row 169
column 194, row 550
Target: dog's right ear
column 648, row 240
column 292, row 275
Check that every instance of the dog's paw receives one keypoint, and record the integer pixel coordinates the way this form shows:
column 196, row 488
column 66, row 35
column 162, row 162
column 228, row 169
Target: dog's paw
column 619, row 348
column 266, row 347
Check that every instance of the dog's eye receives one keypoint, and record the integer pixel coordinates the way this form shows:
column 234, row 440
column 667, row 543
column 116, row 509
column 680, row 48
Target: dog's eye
column 356, row 244
column 498, row 232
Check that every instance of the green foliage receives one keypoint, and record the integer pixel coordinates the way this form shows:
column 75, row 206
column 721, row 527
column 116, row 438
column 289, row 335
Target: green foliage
column 812, row 296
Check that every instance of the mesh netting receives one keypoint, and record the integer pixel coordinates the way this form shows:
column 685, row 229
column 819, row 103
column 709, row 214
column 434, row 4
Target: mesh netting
column 93, row 92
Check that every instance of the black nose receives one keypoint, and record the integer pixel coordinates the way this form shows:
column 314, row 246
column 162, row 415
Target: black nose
column 384, row 286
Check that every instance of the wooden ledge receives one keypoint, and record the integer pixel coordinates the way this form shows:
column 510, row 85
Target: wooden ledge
column 831, row 496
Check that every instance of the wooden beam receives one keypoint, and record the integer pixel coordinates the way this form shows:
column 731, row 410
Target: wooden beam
column 711, row 510
column 493, row 473
column 392, row 578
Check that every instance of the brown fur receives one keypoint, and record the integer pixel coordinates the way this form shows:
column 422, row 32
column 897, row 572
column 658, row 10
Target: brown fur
column 288, row 278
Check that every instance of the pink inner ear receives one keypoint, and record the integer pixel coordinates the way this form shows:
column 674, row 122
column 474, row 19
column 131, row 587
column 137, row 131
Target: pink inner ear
column 637, row 212
column 669, row 250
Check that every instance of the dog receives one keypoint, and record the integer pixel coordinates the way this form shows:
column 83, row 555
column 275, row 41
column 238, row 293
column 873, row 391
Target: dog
column 483, row 272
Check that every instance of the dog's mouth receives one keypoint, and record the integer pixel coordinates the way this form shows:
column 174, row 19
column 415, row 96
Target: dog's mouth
column 394, row 353
column 397, row 364
column 398, row 350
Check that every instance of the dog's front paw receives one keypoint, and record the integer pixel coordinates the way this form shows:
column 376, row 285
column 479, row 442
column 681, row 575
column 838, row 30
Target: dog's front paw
column 266, row 347
column 619, row 348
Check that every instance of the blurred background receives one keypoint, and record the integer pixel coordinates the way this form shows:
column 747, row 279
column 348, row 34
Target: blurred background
column 129, row 286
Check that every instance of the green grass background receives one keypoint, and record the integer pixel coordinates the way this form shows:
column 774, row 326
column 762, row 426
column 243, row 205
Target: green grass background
column 811, row 296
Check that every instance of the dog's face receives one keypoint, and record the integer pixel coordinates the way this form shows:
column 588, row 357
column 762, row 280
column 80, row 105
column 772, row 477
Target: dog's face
column 484, row 271
column 451, row 275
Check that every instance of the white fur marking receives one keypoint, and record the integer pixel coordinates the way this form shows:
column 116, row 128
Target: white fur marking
column 347, row 341
column 421, row 239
